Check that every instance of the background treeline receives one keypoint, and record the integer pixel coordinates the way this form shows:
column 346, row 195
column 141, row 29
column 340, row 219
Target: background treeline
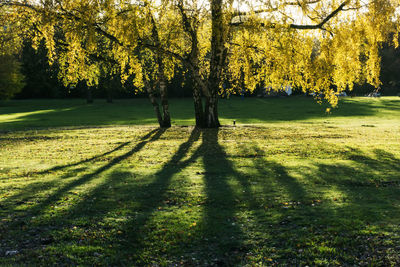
column 41, row 80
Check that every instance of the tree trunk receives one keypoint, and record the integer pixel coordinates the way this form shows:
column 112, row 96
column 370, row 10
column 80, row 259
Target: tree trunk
column 109, row 96
column 191, row 24
column 163, row 92
column 211, row 112
column 164, row 102
column 166, row 117
column 89, row 97
column 154, row 102
column 198, row 107
column 218, row 38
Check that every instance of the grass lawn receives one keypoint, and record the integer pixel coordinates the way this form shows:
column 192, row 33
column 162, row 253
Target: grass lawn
column 289, row 185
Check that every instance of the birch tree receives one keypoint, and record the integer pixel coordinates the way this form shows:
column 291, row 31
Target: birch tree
column 321, row 47
column 127, row 35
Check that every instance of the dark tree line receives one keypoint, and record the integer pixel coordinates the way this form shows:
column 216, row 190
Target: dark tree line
column 42, row 80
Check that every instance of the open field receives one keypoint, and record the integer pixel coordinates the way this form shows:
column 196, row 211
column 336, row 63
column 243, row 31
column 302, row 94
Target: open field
column 27, row 114
column 290, row 185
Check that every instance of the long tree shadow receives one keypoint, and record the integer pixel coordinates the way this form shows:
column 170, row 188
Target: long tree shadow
column 28, row 192
column 151, row 197
column 94, row 158
column 313, row 228
column 217, row 235
column 274, row 194
column 39, row 209
column 368, row 179
column 383, row 160
column 148, row 196
column 221, row 227
column 275, row 175
column 233, row 205
column 86, row 178
column 143, row 199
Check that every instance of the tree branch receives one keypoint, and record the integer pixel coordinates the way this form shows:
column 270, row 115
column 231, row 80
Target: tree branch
column 266, row 10
column 18, row 4
column 322, row 23
column 305, row 27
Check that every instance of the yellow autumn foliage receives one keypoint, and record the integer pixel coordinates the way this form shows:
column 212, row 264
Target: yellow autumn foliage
column 318, row 46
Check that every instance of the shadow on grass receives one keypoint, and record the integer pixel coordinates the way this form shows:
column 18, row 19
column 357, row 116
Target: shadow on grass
column 269, row 217
column 29, row 191
column 60, row 192
column 298, row 108
column 214, row 237
column 72, row 173
column 343, row 230
column 32, row 114
column 141, row 201
column 92, row 159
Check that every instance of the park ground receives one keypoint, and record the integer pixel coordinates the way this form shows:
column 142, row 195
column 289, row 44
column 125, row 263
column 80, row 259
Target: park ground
column 289, row 185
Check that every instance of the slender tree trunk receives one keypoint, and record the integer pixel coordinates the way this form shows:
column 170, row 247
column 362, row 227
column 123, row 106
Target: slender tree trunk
column 166, row 117
column 153, row 100
column 191, row 24
column 163, row 92
column 165, row 106
column 198, row 87
column 218, row 37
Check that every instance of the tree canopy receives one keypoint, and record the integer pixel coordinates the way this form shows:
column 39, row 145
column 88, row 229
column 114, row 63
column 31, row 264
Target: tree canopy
column 318, row 46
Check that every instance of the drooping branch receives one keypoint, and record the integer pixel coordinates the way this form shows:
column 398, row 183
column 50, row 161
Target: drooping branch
column 272, row 9
column 323, row 22
column 304, row 27
column 18, row 4
column 97, row 27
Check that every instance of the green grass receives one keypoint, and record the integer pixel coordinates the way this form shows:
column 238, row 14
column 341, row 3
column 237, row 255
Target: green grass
column 28, row 114
column 290, row 185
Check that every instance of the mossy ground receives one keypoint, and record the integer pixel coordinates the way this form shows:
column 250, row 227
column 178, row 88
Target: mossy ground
column 296, row 188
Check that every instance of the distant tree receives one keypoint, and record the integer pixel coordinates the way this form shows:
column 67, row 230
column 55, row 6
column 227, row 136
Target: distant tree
column 11, row 79
column 390, row 75
column 41, row 79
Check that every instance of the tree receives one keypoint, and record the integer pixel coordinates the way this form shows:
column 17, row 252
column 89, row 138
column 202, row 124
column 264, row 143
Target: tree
column 390, row 74
column 41, row 79
column 319, row 46
column 11, row 79
column 332, row 45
